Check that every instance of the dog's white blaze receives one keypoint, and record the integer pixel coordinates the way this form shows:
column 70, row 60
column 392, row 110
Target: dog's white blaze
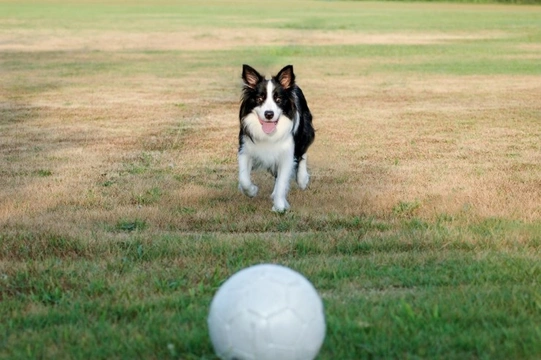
column 269, row 105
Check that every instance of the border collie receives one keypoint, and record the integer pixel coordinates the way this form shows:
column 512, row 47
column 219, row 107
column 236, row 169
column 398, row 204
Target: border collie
column 275, row 132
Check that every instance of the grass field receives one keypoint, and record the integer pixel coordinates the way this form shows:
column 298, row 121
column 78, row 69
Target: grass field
column 119, row 210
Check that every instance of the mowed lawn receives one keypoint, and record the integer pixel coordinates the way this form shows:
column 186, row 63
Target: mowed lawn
column 119, row 210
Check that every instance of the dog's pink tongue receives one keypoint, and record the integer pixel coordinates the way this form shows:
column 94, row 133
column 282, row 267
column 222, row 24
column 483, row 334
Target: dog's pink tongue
column 268, row 127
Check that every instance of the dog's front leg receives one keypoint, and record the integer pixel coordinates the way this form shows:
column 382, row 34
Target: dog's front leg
column 281, row 184
column 245, row 168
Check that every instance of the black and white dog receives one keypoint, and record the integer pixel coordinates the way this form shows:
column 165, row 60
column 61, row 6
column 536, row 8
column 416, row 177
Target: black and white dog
column 275, row 132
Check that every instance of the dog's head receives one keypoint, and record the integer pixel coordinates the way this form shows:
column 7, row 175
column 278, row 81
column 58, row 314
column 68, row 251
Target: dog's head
column 268, row 99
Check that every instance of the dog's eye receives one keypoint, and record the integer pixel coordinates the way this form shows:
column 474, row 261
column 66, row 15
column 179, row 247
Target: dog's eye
column 259, row 99
column 277, row 99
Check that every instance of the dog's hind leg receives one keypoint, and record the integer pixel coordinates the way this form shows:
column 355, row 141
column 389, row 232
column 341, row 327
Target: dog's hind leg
column 302, row 173
column 245, row 183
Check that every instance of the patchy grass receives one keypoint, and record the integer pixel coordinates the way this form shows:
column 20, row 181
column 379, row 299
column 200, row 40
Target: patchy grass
column 120, row 211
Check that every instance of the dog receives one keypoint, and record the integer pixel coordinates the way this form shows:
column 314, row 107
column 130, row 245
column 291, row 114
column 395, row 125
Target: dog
column 275, row 132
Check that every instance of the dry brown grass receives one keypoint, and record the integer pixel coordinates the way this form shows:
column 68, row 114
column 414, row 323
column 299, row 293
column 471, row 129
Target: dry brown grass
column 80, row 153
column 208, row 39
column 448, row 143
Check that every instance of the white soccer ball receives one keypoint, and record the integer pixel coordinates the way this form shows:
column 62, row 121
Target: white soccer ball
column 267, row 312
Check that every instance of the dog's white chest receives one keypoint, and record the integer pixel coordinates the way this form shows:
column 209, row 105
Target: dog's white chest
column 268, row 154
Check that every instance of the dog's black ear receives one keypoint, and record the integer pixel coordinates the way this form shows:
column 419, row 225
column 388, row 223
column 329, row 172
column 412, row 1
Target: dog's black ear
column 250, row 76
column 286, row 77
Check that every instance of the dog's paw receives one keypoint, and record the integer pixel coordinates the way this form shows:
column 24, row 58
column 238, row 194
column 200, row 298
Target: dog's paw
column 280, row 206
column 250, row 191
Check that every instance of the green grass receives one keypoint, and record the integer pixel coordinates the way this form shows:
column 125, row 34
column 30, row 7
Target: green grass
column 388, row 292
column 133, row 276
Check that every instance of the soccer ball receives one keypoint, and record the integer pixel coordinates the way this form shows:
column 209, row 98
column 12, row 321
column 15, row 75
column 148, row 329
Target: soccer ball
column 266, row 312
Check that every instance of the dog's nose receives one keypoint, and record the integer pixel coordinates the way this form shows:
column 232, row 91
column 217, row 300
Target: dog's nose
column 269, row 114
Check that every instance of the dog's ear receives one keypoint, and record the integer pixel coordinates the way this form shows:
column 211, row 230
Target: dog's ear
column 286, row 77
column 250, row 76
